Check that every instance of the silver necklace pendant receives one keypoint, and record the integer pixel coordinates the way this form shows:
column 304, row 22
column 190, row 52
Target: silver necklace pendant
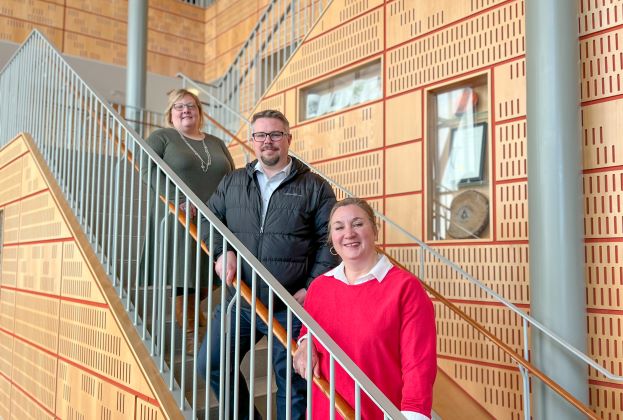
column 204, row 165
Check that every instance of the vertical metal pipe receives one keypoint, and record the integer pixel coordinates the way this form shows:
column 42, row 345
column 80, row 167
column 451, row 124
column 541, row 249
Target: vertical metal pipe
column 269, row 362
column 309, row 375
column 332, row 386
column 208, row 338
column 237, row 335
column 252, row 364
column 557, row 289
column 289, row 363
column 136, row 58
column 222, row 371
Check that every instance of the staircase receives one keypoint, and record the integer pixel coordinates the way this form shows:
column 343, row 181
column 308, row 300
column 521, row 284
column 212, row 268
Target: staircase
column 94, row 154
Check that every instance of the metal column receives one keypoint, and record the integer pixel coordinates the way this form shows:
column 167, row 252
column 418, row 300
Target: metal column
column 557, row 288
column 137, row 59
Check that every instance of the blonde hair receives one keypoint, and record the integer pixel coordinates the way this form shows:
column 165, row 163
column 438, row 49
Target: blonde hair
column 174, row 96
column 354, row 201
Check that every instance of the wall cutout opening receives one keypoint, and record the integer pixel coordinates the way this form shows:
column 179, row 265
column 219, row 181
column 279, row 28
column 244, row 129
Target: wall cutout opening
column 342, row 91
column 458, row 155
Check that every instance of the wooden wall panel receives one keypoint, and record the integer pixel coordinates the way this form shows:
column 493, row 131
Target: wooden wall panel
column 497, row 389
column 360, row 174
column 511, row 151
column 510, row 90
column 401, row 163
column 511, row 207
column 408, row 19
column 353, row 132
column 340, row 12
column 10, row 181
column 502, row 268
column 492, row 36
column 5, row 389
column 396, row 110
column 103, row 27
column 603, row 210
column 23, row 407
column 602, row 126
column 604, row 272
column 406, row 211
column 321, row 56
column 55, row 320
column 34, row 372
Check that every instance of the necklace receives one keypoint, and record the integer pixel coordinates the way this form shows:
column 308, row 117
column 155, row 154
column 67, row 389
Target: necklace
column 204, row 164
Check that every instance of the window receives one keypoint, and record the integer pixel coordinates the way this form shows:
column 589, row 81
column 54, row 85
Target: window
column 342, row 91
column 458, row 170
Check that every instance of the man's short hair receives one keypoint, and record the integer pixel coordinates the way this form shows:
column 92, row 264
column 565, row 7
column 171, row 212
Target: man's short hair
column 271, row 113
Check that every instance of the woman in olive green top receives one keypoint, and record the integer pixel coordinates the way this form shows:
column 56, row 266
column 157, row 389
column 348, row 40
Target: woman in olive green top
column 201, row 161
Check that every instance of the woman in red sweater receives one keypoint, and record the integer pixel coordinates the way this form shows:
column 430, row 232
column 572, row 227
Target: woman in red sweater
column 378, row 314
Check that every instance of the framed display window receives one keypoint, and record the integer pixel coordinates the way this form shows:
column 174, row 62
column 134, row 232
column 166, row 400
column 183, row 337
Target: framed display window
column 458, row 161
column 341, row 91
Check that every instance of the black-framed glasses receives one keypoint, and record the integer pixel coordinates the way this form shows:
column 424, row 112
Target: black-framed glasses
column 260, row 136
column 189, row 106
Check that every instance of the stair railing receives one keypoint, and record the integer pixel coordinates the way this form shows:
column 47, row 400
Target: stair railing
column 104, row 169
column 428, row 255
column 278, row 32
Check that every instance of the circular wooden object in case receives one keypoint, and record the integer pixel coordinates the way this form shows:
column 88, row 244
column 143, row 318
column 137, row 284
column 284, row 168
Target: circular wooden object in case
column 469, row 215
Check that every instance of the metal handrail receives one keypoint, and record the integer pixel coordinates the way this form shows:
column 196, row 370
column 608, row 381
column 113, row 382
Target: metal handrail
column 342, row 407
column 68, row 119
column 275, row 37
column 527, row 319
column 420, row 243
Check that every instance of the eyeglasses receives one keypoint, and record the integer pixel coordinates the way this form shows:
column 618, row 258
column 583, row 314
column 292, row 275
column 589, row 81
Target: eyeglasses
column 189, row 106
column 260, row 137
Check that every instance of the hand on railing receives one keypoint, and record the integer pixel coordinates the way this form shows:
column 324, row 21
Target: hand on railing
column 300, row 360
column 193, row 209
column 231, row 267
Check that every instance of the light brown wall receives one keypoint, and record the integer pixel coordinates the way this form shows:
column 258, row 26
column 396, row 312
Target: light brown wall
column 64, row 353
column 378, row 150
column 181, row 38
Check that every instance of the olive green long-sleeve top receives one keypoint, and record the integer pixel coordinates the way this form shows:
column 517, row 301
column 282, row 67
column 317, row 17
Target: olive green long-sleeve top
column 176, row 153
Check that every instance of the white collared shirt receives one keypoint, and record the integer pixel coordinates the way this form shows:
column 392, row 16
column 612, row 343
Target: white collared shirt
column 378, row 273
column 269, row 185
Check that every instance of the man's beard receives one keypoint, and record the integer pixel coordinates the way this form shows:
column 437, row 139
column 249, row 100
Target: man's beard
column 270, row 161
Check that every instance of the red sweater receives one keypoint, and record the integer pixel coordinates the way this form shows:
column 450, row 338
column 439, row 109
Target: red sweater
column 387, row 329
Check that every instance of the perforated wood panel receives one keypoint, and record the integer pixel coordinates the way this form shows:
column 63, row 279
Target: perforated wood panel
column 344, row 45
column 601, row 128
column 498, row 390
column 360, row 174
column 353, row 132
column 487, row 38
column 511, row 152
column 602, row 184
column 201, row 42
column 63, row 353
column 603, row 214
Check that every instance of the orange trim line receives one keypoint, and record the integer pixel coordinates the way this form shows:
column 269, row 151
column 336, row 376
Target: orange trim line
column 17, row 200
column 43, row 241
column 29, row 395
column 14, row 159
column 59, row 297
column 478, row 362
column 484, row 303
column 126, row 388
